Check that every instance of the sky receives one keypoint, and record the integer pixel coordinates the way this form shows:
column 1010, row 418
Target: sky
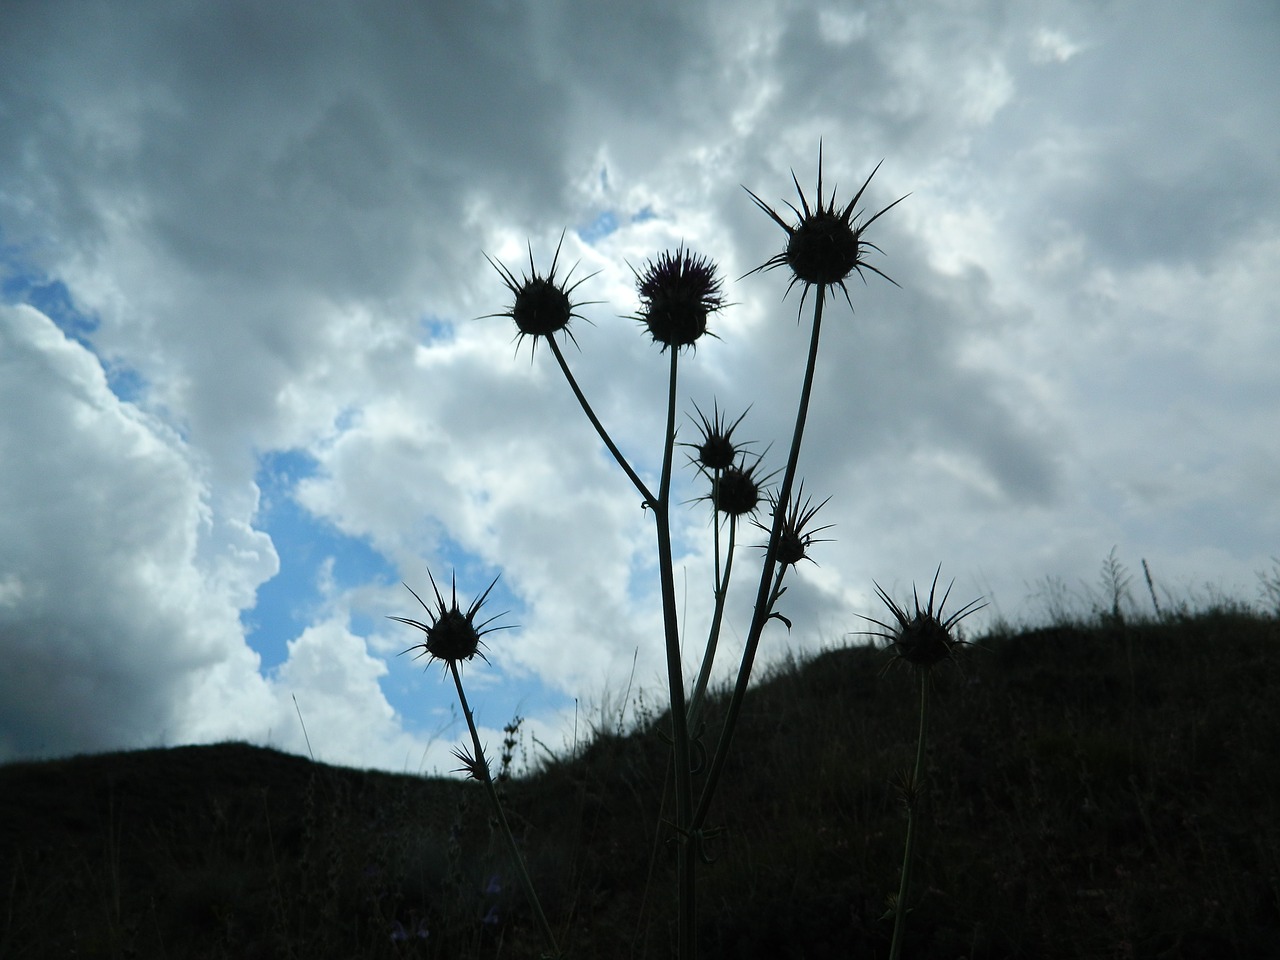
column 251, row 388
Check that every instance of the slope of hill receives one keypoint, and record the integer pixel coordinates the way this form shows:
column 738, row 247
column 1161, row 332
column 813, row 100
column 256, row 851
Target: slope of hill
column 1100, row 790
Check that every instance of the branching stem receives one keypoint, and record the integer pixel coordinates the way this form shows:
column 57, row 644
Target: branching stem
column 595, row 422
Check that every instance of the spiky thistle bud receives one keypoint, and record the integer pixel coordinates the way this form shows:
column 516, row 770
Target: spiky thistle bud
column 452, row 635
column 735, row 491
column 716, row 450
column 543, row 304
column 793, row 539
column 924, row 638
column 826, row 244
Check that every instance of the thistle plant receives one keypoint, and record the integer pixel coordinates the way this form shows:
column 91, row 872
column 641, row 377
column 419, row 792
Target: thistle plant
column 680, row 292
column 921, row 639
column 451, row 637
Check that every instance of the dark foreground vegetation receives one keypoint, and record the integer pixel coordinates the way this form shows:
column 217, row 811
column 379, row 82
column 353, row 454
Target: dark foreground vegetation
column 1108, row 789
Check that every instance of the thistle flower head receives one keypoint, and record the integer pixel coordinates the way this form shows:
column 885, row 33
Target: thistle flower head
column 452, row 635
column 793, row 539
column 677, row 292
column 543, row 305
column 736, row 490
column 716, row 450
column 924, row 638
column 827, row 243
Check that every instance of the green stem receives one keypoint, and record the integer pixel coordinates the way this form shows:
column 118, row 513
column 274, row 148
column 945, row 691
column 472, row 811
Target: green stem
column 482, row 765
column 764, row 598
column 595, row 422
column 913, row 795
column 686, row 851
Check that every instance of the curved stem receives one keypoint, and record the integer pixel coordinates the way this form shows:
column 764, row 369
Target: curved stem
column 764, row 601
column 913, row 794
column 686, row 855
column 482, row 766
column 595, row 422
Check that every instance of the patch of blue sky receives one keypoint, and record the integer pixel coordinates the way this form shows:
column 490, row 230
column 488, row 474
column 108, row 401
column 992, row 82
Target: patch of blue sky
column 52, row 298
column 311, row 550
column 125, row 382
column 435, row 328
column 605, row 223
column 346, row 419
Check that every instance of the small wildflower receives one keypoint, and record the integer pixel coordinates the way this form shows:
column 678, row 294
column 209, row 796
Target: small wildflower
column 401, row 933
column 923, row 639
column 717, row 450
column 793, row 540
column 452, row 635
column 826, row 245
column 677, row 292
column 543, row 304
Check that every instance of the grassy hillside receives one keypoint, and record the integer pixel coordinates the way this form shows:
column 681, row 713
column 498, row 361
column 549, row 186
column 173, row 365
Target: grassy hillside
column 1100, row 790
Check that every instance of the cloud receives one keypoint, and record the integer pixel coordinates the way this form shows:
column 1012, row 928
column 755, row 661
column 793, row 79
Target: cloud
column 122, row 588
column 270, row 224
column 109, row 599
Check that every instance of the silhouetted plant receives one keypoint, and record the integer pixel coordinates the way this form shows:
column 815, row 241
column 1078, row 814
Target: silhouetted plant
column 922, row 639
column 1114, row 580
column 679, row 292
column 1269, row 588
column 453, row 636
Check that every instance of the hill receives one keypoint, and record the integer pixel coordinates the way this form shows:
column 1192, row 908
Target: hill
column 1109, row 789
